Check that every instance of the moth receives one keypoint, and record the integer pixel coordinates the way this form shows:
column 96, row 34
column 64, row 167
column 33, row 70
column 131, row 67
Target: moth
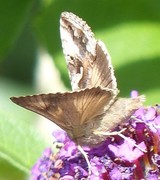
column 93, row 106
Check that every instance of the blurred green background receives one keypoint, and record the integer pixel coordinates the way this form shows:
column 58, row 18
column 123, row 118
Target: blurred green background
column 29, row 28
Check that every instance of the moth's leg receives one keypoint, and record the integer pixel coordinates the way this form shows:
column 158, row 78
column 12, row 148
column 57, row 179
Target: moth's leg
column 119, row 133
column 109, row 133
column 86, row 158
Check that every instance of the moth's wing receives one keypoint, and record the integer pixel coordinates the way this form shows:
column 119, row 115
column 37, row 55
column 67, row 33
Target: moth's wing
column 119, row 112
column 69, row 110
column 102, row 69
column 78, row 44
column 88, row 61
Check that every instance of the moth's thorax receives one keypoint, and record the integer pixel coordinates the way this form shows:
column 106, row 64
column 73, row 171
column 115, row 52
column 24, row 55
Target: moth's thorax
column 84, row 134
column 90, row 139
column 76, row 132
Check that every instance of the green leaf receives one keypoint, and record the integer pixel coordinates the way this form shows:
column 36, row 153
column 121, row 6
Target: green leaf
column 9, row 172
column 13, row 17
column 21, row 144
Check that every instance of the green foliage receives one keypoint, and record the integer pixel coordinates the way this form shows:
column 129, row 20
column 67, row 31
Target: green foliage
column 130, row 29
column 20, row 144
column 10, row 172
column 13, row 15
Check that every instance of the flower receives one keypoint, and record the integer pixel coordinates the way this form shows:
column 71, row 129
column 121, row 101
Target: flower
column 130, row 154
column 114, row 159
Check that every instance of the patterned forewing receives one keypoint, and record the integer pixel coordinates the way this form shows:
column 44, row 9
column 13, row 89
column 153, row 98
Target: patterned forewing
column 88, row 61
column 67, row 110
column 78, row 44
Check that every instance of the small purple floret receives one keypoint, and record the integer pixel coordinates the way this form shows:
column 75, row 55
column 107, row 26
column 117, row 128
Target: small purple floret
column 134, row 94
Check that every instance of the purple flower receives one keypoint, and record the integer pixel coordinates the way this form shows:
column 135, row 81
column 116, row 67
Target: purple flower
column 152, row 175
column 68, row 150
column 114, row 159
column 61, row 136
column 127, row 151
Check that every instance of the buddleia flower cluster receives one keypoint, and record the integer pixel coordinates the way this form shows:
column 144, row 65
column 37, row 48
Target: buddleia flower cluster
column 117, row 158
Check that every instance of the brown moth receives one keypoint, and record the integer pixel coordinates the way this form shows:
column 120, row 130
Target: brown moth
column 93, row 105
